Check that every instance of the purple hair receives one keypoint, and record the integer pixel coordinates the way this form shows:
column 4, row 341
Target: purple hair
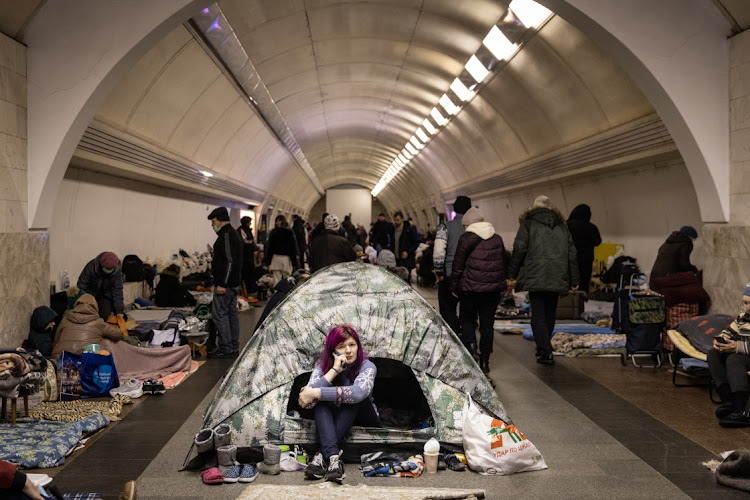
column 337, row 335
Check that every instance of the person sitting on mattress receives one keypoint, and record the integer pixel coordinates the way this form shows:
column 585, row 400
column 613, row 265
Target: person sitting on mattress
column 340, row 391
column 729, row 362
column 83, row 326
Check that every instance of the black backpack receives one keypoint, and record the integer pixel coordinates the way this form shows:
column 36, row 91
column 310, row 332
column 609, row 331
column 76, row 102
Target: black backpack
column 132, row 268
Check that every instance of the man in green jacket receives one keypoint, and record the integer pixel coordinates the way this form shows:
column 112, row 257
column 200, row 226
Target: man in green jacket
column 545, row 264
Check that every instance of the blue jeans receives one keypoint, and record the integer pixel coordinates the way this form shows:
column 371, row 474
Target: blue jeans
column 224, row 314
column 334, row 422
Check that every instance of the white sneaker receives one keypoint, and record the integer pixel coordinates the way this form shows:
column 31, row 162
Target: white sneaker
column 131, row 388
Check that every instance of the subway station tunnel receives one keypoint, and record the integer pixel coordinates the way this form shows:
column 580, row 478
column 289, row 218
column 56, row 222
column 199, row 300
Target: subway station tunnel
column 123, row 122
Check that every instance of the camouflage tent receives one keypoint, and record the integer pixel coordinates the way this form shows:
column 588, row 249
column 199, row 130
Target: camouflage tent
column 394, row 322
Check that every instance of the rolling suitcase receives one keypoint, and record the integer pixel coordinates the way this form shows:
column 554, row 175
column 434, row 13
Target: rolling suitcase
column 639, row 314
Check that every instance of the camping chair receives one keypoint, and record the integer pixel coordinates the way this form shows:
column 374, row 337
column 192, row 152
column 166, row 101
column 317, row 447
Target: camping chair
column 685, row 348
column 27, row 385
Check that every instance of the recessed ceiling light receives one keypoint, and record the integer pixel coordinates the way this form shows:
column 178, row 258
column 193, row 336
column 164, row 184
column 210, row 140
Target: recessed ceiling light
column 476, row 69
column 461, row 91
column 428, row 126
column 207, row 174
column 448, row 105
column 529, row 12
column 422, row 136
column 438, row 117
column 499, row 44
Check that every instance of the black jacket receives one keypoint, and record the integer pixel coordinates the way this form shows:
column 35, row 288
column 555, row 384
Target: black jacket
column 226, row 267
column 381, row 234
column 102, row 285
column 330, row 248
column 673, row 256
column 585, row 234
column 408, row 242
column 299, row 232
column 282, row 288
column 170, row 293
column 281, row 241
column 40, row 339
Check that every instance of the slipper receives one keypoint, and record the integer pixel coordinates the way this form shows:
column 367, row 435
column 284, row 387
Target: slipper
column 212, row 476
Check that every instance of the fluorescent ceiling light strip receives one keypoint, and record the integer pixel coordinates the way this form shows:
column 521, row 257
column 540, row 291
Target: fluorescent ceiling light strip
column 400, row 162
column 403, row 160
column 529, row 12
column 407, row 154
column 428, row 126
column 476, row 69
column 416, row 142
column 438, row 117
column 461, row 91
column 448, row 105
column 422, row 136
column 411, row 148
column 499, row 44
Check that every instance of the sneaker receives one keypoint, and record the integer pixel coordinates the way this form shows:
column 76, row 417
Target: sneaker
column 735, row 420
column 723, row 410
column 148, row 387
column 454, row 463
column 335, row 470
column 131, row 388
column 317, row 468
column 157, row 387
column 232, row 474
column 546, row 360
column 217, row 354
column 248, row 474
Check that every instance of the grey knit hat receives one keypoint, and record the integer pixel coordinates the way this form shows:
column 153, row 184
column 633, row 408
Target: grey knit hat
column 734, row 471
column 386, row 258
column 471, row 216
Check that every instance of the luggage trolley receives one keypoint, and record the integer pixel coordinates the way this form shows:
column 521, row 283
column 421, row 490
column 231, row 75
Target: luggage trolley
column 639, row 314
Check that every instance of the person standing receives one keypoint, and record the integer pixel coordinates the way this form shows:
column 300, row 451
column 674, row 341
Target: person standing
column 351, row 231
column 102, row 278
column 380, row 234
column 405, row 242
column 544, row 263
column 227, row 273
column 298, row 228
column 446, row 241
column 585, row 238
column 478, row 279
column 281, row 250
column 330, row 248
column 248, row 254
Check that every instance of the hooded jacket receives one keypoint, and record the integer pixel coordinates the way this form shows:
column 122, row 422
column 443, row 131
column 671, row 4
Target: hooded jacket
column 102, row 285
column 170, row 292
column 479, row 264
column 83, row 326
column 673, row 256
column 585, row 234
column 40, row 339
column 330, row 248
column 544, row 256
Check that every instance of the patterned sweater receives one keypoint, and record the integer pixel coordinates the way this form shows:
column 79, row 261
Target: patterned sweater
column 343, row 390
column 739, row 331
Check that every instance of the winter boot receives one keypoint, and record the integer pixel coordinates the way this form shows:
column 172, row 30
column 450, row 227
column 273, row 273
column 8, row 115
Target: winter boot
column 206, row 458
column 228, row 465
column 484, row 364
column 725, row 408
column 222, row 436
column 271, row 459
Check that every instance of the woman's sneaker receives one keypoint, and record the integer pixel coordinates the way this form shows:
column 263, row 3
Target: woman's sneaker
column 131, row 387
column 157, row 387
column 248, row 474
column 317, row 468
column 335, row 470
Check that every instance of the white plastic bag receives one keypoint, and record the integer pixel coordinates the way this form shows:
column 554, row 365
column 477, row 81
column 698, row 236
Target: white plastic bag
column 493, row 447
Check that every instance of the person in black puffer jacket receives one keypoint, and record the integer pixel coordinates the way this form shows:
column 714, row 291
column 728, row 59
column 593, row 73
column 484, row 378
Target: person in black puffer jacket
column 330, row 248
column 170, row 292
column 42, row 332
column 674, row 254
column 585, row 237
column 478, row 279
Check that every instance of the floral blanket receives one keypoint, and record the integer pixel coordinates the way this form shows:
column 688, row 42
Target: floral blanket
column 563, row 342
column 37, row 444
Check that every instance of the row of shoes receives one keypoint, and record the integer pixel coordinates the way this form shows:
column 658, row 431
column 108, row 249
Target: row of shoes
column 133, row 388
column 154, row 387
column 332, row 469
column 236, row 473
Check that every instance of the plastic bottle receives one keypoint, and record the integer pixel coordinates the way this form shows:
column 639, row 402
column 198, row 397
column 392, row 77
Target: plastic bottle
column 64, row 281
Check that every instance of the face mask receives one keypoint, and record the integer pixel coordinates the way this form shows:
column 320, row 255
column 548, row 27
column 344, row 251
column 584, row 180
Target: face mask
column 108, row 271
column 216, row 228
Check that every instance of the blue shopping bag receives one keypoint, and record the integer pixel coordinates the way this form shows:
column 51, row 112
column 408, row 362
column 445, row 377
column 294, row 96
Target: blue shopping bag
column 98, row 375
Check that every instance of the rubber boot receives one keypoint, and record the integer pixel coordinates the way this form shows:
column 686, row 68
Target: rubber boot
column 206, row 458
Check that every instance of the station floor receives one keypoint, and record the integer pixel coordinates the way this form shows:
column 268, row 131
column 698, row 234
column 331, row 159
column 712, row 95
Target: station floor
column 603, row 428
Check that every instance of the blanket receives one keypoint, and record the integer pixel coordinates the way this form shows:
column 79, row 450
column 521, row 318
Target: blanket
column 329, row 491
column 71, row 411
column 37, row 444
column 143, row 363
column 575, row 329
column 564, row 342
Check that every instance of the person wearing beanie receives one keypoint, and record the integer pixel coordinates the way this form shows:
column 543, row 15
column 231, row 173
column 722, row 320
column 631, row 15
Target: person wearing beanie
column 544, row 263
column 226, row 269
column 674, row 255
column 446, row 241
column 478, row 280
column 170, row 292
column 585, row 237
column 281, row 250
column 330, row 247
column 102, row 278
column 405, row 242
column 729, row 362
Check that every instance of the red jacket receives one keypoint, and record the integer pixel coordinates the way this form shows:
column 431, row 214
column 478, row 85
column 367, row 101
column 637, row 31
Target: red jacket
column 10, row 477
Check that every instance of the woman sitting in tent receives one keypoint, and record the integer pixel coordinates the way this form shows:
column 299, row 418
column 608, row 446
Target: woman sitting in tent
column 340, row 390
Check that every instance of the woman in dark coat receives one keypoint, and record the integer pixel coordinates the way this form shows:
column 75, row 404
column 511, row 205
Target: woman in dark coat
column 281, row 250
column 478, row 279
column 674, row 254
column 42, row 332
column 585, row 237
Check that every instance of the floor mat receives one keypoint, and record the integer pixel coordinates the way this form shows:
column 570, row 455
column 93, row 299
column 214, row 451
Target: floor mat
column 71, row 411
column 329, row 491
column 174, row 379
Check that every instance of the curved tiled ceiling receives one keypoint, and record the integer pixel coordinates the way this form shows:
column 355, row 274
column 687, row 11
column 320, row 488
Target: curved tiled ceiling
column 353, row 80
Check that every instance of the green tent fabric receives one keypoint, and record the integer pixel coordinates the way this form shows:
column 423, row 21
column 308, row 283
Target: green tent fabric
column 393, row 322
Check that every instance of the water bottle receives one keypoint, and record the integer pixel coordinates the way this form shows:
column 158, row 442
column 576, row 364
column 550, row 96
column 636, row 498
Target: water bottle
column 64, row 281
